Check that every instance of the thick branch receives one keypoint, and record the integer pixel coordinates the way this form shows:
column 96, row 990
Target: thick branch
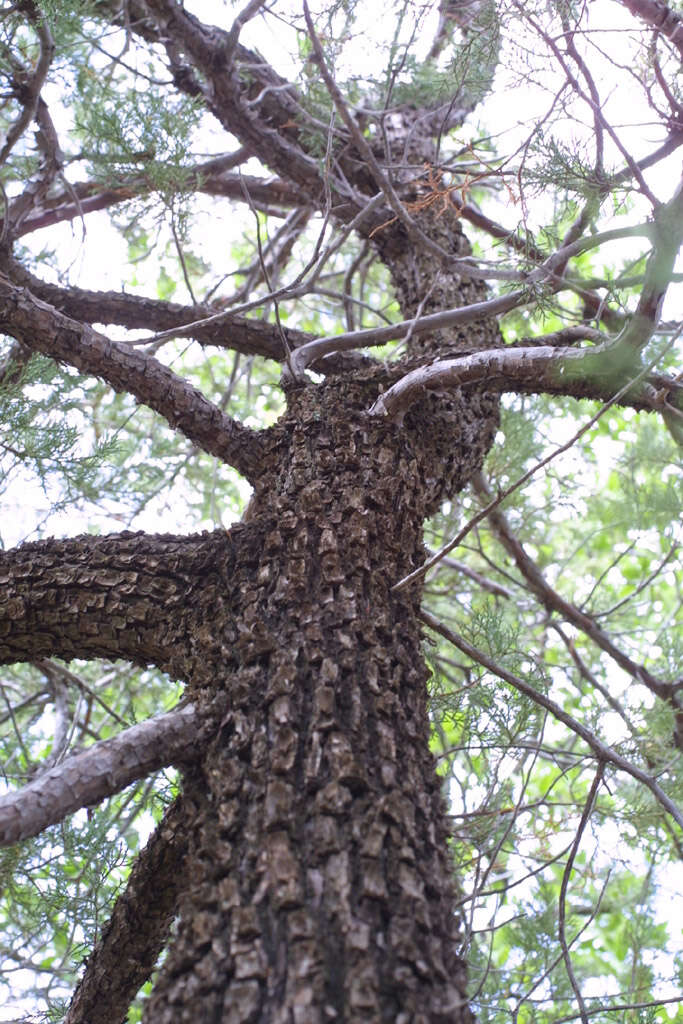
column 659, row 17
column 124, row 596
column 238, row 333
column 96, row 773
column 44, row 329
column 667, row 233
column 596, row 373
column 138, row 928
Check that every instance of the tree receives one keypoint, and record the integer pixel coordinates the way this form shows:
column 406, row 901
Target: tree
column 306, row 854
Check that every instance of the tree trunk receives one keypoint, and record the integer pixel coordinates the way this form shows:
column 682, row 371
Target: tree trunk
column 320, row 886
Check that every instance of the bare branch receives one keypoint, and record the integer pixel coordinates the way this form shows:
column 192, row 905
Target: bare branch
column 223, row 329
column 555, row 602
column 566, row 875
column 593, row 105
column 245, row 15
column 274, row 196
column 98, row 772
column 582, row 373
column 320, row 347
column 419, row 572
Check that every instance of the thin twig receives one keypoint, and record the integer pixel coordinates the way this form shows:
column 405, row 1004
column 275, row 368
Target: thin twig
column 562, row 906
column 602, row 750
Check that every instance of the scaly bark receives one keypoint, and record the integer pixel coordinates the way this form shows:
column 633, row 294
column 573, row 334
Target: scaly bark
column 321, row 886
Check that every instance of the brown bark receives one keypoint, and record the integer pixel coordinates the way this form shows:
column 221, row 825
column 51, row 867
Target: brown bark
column 238, row 333
column 125, row 596
column 307, row 858
column 87, row 197
column 320, row 882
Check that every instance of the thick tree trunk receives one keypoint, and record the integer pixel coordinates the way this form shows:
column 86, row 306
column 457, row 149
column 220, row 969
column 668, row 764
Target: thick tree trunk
column 320, row 884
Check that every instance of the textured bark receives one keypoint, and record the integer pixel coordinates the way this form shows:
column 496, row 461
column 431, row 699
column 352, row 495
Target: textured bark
column 319, row 883
column 131, row 596
column 238, row 333
column 660, row 17
column 320, row 886
column 307, row 859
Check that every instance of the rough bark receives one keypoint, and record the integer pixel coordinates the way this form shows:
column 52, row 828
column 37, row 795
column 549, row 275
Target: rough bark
column 319, row 885
column 134, row 595
column 238, row 333
column 320, row 882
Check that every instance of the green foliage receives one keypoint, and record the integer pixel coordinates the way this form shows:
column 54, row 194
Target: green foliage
column 517, row 780
column 41, row 433
column 468, row 74
column 122, row 130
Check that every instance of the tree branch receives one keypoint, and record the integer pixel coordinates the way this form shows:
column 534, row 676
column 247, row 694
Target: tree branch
column 87, row 197
column 98, row 772
column 320, row 347
column 659, row 17
column 123, row 596
column 553, row 601
column 138, row 928
column 260, row 108
column 238, row 333
column 27, row 86
column 566, row 875
column 667, row 232
column 42, row 328
column 595, row 373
